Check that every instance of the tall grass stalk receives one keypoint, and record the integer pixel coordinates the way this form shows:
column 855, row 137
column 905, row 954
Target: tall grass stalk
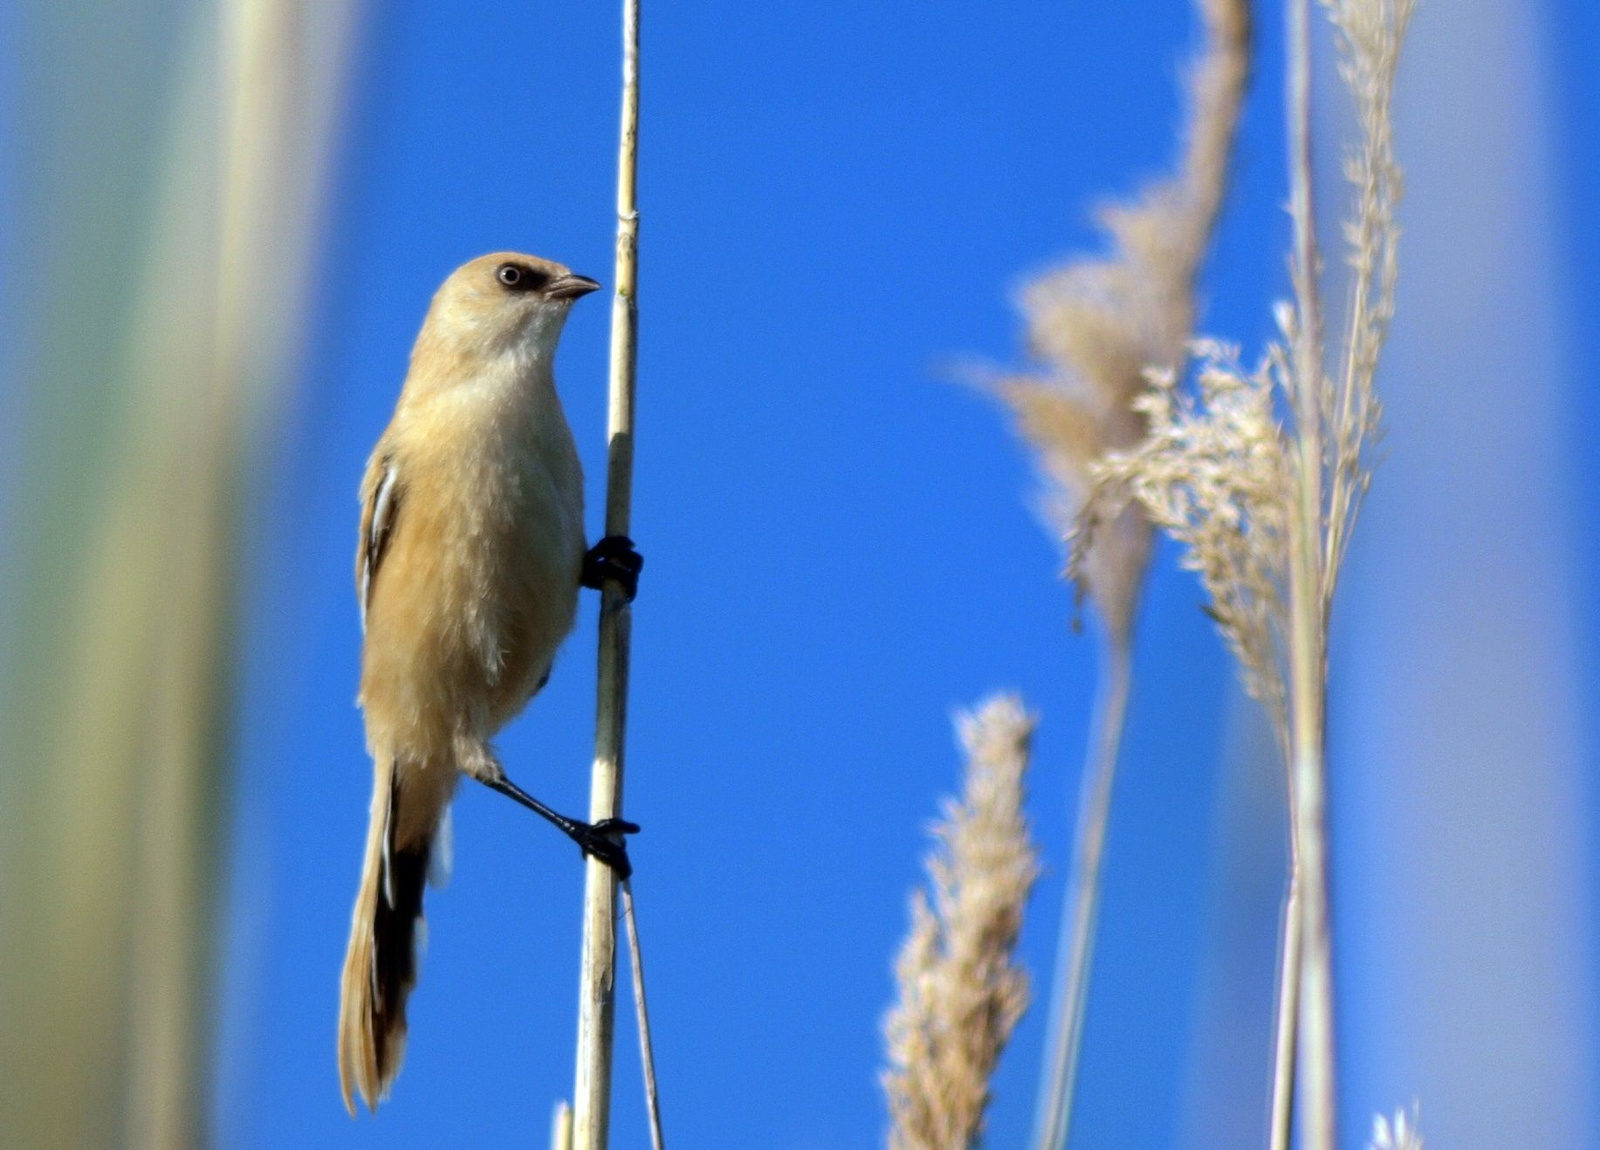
column 1097, row 326
column 280, row 78
column 597, row 973
column 1308, row 677
column 1265, row 511
column 1336, row 418
column 561, row 1127
column 641, row 1006
column 1075, row 947
column 1285, row 1017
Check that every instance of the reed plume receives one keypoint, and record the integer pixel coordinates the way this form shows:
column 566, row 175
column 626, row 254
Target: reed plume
column 1096, row 327
column 961, row 993
column 1400, row 1134
column 1213, row 472
column 1265, row 511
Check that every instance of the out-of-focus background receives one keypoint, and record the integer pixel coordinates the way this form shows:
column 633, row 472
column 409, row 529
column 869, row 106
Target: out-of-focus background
column 220, row 224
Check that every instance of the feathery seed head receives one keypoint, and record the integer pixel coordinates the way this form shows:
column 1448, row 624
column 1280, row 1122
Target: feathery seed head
column 1401, row 1134
column 1096, row 326
column 960, row 992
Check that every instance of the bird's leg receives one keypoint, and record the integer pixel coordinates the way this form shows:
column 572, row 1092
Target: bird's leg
column 613, row 558
column 602, row 840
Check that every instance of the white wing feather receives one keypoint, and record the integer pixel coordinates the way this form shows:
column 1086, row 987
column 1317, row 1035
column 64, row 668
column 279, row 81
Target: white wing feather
column 377, row 534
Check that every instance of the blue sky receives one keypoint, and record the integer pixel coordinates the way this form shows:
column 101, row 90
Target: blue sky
column 839, row 553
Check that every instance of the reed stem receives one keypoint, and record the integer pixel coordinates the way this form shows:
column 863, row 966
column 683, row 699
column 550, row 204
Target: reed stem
column 1307, row 629
column 561, row 1127
column 597, row 974
column 1286, row 1018
column 1081, row 910
column 647, row 1056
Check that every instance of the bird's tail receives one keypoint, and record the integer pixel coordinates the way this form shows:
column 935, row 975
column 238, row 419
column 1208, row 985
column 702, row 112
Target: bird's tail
column 380, row 966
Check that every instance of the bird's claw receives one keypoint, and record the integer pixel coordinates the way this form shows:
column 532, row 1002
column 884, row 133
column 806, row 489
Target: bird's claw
column 597, row 841
column 614, row 559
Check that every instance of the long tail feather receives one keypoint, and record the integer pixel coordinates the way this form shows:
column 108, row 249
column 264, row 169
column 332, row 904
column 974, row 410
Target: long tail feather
column 380, row 966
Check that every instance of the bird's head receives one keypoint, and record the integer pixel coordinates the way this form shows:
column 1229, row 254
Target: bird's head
column 504, row 302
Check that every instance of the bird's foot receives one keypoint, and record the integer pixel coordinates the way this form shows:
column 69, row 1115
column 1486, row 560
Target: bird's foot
column 614, row 559
column 603, row 841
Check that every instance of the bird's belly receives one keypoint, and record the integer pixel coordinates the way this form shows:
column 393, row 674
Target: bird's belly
column 532, row 627
column 466, row 618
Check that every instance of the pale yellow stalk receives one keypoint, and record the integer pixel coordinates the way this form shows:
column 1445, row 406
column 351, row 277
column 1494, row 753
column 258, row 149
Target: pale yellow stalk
column 647, row 1054
column 597, row 972
column 1081, row 912
column 561, row 1127
column 1308, row 678
column 1285, row 1017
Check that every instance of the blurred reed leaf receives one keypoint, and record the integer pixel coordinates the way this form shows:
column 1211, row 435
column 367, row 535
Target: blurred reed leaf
column 146, row 405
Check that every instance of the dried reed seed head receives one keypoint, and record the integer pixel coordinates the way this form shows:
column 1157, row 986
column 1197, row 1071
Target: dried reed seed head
column 960, row 995
column 1369, row 34
column 1111, row 572
column 1216, row 471
column 1401, row 1134
column 1067, row 423
column 1213, row 473
column 1098, row 325
column 1114, row 575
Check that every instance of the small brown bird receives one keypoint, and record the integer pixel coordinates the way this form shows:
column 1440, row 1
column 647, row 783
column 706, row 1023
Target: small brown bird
column 468, row 568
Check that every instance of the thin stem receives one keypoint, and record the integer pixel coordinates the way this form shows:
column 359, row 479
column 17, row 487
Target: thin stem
column 1316, row 1038
column 1080, row 913
column 647, row 1056
column 1305, row 263
column 561, row 1127
column 1286, row 1019
column 1308, row 615
column 597, row 974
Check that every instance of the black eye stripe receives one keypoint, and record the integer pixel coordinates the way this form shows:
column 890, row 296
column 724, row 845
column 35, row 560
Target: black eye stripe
column 521, row 278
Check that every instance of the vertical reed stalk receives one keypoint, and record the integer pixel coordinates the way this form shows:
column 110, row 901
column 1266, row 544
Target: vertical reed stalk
column 1265, row 513
column 592, row 1091
column 561, row 1127
column 1286, row 1008
column 1286, row 1017
column 1075, row 949
column 1308, row 691
column 647, row 1055
column 1307, row 630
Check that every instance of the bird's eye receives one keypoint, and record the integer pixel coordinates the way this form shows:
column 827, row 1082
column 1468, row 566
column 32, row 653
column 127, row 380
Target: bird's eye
column 518, row 278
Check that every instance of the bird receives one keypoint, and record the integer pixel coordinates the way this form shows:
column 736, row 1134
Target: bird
column 468, row 568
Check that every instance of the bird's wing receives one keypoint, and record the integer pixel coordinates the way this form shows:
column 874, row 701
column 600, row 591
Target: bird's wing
column 380, row 505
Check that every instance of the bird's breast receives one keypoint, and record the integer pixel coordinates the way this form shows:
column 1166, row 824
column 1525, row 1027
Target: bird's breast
column 529, row 558
column 481, row 583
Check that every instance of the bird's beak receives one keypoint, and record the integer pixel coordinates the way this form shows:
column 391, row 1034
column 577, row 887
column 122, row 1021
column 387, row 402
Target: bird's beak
column 570, row 287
